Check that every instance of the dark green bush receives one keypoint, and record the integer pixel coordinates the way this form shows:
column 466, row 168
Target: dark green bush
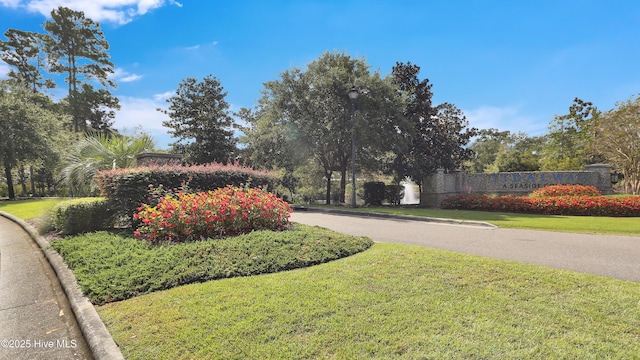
column 373, row 193
column 127, row 189
column 111, row 267
column 394, row 193
column 81, row 215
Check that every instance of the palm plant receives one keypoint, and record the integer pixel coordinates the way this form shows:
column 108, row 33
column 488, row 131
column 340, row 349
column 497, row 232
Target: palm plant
column 99, row 151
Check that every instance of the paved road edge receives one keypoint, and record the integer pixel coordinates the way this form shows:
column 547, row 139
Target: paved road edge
column 394, row 216
column 95, row 333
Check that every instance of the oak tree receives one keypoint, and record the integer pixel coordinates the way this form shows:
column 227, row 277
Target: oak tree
column 308, row 113
column 617, row 138
column 440, row 134
column 29, row 130
column 568, row 138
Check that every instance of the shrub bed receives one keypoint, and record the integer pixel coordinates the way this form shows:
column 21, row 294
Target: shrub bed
column 184, row 217
column 110, row 267
column 565, row 190
column 394, row 194
column 374, row 193
column 127, row 189
column 558, row 205
column 81, row 215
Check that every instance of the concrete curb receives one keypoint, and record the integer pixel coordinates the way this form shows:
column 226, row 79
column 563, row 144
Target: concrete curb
column 93, row 329
column 394, row 216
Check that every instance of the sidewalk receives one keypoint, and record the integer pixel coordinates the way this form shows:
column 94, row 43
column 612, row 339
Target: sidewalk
column 43, row 314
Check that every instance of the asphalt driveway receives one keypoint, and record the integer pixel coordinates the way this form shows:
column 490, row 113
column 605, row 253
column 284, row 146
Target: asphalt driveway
column 605, row 255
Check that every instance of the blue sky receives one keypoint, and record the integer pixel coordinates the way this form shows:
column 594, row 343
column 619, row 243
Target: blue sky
column 509, row 65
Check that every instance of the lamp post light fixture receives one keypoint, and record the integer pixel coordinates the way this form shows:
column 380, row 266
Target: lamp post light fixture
column 616, row 177
column 353, row 95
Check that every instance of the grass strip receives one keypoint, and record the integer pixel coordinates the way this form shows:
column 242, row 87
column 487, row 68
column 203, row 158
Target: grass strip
column 29, row 209
column 392, row 301
column 575, row 224
column 111, row 267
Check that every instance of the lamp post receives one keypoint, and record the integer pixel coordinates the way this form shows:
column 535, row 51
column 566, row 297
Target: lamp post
column 353, row 95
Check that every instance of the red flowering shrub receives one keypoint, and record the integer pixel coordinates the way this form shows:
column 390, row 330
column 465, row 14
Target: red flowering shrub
column 558, row 205
column 226, row 211
column 565, row 190
column 126, row 189
column 589, row 205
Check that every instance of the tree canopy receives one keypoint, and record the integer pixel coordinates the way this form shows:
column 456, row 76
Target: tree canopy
column 503, row 151
column 23, row 52
column 200, row 120
column 309, row 112
column 76, row 46
column 29, row 130
column 439, row 135
column 568, row 139
column 617, row 138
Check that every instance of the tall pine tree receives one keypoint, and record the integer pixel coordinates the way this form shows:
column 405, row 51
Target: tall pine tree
column 200, row 121
column 23, row 51
column 76, row 46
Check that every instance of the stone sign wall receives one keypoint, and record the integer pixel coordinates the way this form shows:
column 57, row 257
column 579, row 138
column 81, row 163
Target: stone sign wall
column 440, row 185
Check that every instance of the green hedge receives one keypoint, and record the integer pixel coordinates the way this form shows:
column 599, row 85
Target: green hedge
column 112, row 268
column 394, row 194
column 127, row 189
column 558, row 205
column 374, row 193
column 81, row 215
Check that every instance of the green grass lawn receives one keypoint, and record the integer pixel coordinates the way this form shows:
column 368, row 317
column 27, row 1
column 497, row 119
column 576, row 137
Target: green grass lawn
column 391, row 301
column 29, row 209
column 577, row 224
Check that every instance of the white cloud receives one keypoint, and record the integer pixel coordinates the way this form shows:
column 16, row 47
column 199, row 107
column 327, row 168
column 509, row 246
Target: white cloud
column 198, row 46
column 504, row 118
column 141, row 112
column 486, row 117
column 130, row 78
column 115, row 11
column 163, row 96
column 10, row 3
column 120, row 74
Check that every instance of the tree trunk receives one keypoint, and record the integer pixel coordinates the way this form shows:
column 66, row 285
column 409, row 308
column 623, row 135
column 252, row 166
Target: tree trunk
column 7, row 174
column 33, row 184
column 343, row 184
column 22, row 179
column 328, row 194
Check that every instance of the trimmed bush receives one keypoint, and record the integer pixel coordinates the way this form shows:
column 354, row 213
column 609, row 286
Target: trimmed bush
column 127, row 189
column 112, row 268
column 374, row 193
column 394, row 193
column 81, row 215
column 227, row 211
column 565, row 190
column 559, row 205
